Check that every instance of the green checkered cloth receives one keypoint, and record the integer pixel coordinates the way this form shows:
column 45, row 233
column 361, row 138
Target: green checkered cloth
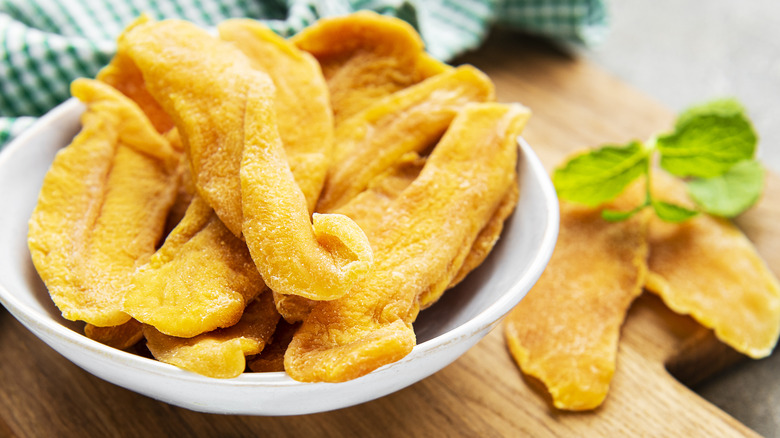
column 46, row 44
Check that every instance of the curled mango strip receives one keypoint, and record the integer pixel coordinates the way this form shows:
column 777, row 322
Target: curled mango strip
column 366, row 57
column 102, row 207
column 122, row 74
column 221, row 353
column 301, row 99
column 186, row 71
column 201, row 278
column 367, row 210
column 595, row 273
column 706, row 268
column 121, row 337
column 420, row 246
column 411, row 120
column 319, row 260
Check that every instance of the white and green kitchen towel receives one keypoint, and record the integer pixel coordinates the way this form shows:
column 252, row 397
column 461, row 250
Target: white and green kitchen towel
column 45, row 44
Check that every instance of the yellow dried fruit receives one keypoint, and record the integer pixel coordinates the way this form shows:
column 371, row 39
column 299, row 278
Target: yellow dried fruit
column 319, row 260
column 201, row 278
column 102, row 207
column 420, row 246
column 187, row 71
column 271, row 359
column 221, row 353
column 565, row 331
column 121, row 337
column 411, row 120
column 366, row 57
column 301, row 100
column 705, row 267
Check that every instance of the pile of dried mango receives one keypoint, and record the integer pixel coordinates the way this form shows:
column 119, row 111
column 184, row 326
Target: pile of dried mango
column 243, row 200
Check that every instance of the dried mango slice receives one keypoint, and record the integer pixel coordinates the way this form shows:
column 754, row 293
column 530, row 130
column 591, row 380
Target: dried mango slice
column 488, row 236
column 367, row 210
column 221, row 353
column 187, row 71
column 301, row 100
column 122, row 74
column 271, row 359
column 201, row 278
column 706, row 268
column 319, row 260
column 365, row 57
column 427, row 232
column 411, row 120
column 121, row 337
column 185, row 187
column 102, row 207
column 565, row 331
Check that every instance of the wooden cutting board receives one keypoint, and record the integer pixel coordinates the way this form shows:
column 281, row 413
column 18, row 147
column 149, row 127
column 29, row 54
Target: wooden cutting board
column 482, row 394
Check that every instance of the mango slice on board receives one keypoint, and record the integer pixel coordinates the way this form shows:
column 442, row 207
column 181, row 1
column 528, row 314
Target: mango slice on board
column 102, row 207
column 365, row 57
column 706, row 268
column 221, row 353
column 303, row 112
column 201, row 278
column 412, row 120
column 565, row 331
column 419, row 248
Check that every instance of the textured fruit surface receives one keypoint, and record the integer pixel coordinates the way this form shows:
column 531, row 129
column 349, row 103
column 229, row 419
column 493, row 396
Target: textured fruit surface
column 201, row 278
column 708, row 269
column 102, row 207
column 301, row 100
column 565, row 331
column 221, row 353
column 411, row 120
column 365, row 57
column 419, row 247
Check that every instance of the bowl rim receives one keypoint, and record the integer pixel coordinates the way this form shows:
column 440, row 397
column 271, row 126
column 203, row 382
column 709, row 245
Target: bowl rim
column 484, row 319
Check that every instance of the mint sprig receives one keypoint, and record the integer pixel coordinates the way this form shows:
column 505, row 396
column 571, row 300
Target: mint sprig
column 711, row 146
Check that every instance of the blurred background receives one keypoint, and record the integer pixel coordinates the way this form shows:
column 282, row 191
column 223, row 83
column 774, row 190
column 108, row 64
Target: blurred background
column 682, row 52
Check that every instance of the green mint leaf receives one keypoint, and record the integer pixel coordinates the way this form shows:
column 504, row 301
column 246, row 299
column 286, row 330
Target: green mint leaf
column 600, row 175
column 671, row 212
column 610, row 215
column 707, row 140
column 731, row 193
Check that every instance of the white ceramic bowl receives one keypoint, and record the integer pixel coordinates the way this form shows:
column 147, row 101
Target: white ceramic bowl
column 462, row 317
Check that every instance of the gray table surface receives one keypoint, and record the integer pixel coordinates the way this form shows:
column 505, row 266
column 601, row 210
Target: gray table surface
column 683, row 52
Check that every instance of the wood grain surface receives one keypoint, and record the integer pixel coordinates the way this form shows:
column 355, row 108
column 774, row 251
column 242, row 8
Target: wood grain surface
column 482, row 394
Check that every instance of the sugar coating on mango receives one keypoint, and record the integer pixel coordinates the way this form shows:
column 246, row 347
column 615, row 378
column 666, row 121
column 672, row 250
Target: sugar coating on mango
column 366, row 57
column 201, row 278
column 427, row 232
column 565, row 331
column 319, row 259
column 411, row 120
column 202, row 83
column 221, row 353
column 707, row 268
column 303, row 114
column 102, row 207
